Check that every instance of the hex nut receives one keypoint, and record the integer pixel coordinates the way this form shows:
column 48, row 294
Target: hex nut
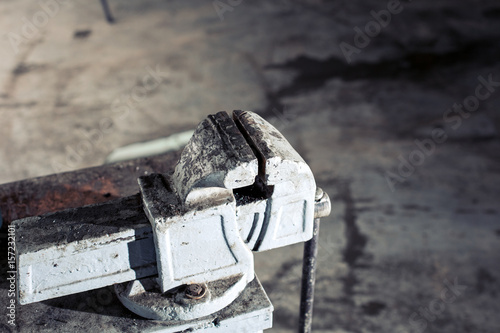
column 195, row 291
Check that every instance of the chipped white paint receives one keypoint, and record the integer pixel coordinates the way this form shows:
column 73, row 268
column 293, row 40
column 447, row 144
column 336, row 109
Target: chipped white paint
column 239, row 186
column 250, row 313
column 199, row 245
column 289, row 212
column 58, row 254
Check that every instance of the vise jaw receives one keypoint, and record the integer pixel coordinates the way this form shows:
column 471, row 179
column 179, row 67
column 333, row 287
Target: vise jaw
column 238, row 187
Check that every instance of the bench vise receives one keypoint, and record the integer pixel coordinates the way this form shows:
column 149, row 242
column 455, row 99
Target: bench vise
column 181, row 249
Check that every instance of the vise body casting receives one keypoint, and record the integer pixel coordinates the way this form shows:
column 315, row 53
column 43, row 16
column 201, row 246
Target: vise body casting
column 238, row 187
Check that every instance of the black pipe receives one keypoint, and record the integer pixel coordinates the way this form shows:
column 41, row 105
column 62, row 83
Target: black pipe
column 107, row 11
column 308, row 280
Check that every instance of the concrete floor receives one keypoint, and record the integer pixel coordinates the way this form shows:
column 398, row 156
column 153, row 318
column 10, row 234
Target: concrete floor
column 415, row 186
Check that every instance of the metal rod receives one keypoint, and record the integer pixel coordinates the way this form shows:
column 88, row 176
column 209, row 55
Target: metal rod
column 107, row 11
column 308, row 280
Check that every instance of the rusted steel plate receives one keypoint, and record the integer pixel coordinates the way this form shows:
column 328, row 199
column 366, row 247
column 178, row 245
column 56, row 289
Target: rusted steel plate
column 51, row 193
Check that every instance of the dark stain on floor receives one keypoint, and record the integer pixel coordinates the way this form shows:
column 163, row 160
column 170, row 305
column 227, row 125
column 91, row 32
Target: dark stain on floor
column 483, row 280
column 23, row 68
column 356, row 241
column 373, row 308
column 415, row 66
column 492, row 13
column 82, row 34
column 416, row 207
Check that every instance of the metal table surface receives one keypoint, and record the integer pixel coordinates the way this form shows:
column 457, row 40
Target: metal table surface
column 36, row 196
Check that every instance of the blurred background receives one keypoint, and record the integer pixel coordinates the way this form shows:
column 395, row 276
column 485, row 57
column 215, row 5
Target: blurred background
column 393, row 104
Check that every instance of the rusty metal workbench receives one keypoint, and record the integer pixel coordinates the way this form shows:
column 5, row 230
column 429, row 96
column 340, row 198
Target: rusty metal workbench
column 51, row 193
column 97, row 308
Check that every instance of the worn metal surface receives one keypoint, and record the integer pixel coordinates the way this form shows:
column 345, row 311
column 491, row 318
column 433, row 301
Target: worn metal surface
column 145, row 298
column 201, row 244
column 84, row 248
column 37, row 196
column 101, row 309
column 288, row 215
column 216, row 156
column 251, row 311
column 31, row 197
column 196, row 227
column 197, row 205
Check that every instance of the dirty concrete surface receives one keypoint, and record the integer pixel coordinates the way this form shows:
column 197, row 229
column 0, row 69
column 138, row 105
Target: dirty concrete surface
column 413, row 241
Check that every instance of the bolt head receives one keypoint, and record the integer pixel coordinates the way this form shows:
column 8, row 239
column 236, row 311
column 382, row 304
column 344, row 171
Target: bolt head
column 195, row 291
column 319, row 194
